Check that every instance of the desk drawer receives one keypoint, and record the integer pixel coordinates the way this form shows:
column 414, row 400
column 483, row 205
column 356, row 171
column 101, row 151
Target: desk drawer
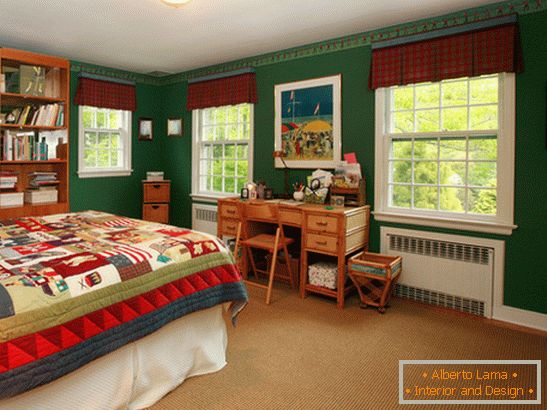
column 156, row 192
column 290, row 217
column 323, row 223
column 156, row 213
column 229, row 227
column 322, row 243
column 260, row 211
column 229, row 211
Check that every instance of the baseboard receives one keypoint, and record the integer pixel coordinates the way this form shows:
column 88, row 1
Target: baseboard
column 521, row 317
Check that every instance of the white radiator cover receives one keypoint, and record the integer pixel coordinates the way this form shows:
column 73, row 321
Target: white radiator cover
column 446, row 270
column 204, row 218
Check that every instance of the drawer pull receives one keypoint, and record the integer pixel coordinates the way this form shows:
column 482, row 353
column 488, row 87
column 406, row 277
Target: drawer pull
column 157, row 186
column 230, row 211
column 155, row 206
column 322, row 223
column 321, row 243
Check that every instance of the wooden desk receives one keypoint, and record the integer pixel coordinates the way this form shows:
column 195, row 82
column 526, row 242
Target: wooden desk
column 338, row 232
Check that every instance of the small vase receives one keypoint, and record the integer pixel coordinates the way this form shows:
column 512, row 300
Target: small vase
column 298, row 196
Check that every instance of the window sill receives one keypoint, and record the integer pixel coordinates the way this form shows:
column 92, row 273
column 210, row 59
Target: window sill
column 212, row 198
column 475, row 226
column 105, row 173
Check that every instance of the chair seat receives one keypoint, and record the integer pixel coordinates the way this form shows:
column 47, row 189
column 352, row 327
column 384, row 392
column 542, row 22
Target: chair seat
column 266, row 242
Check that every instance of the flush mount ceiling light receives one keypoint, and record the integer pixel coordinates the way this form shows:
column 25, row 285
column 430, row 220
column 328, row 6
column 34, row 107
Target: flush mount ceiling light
column 176, row 3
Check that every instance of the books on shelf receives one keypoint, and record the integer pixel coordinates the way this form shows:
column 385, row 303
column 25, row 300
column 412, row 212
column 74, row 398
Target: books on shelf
column 42, row 179
column 22, row 147
column 45, row 115
column 8, row 179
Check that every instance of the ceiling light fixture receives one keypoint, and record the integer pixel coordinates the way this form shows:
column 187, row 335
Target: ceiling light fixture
column 176, row 3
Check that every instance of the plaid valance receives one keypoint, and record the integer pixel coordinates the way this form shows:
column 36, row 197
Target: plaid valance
column 484, row 51
column 231, row 90
column 106, row 94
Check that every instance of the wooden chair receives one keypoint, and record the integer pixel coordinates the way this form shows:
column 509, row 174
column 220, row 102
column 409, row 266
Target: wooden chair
column 255, row 232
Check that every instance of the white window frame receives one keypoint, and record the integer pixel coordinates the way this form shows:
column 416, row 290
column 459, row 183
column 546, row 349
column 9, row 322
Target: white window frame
column 502, row 222
column 208, row 196
column 125, row 132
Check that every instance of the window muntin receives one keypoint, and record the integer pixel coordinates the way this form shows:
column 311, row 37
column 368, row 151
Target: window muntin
column 223, row 140
column 105, row 142
column 443, row 152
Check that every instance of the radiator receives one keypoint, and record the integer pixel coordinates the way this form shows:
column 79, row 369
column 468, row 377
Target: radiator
column 204, row 218
column 445, row 270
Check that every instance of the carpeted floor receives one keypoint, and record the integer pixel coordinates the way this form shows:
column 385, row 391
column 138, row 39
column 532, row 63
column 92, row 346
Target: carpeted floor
column 307, row 354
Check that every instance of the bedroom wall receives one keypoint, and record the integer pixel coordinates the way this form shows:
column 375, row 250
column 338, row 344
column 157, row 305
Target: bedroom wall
column 525, row 282
column 119, row 195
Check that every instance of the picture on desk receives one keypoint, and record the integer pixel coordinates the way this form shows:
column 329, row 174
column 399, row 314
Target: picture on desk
column 308, row 123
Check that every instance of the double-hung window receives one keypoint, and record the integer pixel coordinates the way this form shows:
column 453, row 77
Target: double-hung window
column 222, row 150
column 104, row 142
column 444, row 153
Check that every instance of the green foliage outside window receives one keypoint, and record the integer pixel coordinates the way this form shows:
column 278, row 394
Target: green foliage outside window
column 454, row 173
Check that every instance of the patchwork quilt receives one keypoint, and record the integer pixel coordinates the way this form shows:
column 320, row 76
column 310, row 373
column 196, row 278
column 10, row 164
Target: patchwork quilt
column 76, row 286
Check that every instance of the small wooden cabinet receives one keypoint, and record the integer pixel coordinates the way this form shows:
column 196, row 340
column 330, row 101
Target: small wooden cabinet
column 156, row 198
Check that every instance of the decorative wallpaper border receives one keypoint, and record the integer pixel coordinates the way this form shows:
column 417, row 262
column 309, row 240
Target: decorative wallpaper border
column 77, row 67
column 333, row 45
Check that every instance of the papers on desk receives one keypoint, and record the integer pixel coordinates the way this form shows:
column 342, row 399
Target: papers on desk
column 291, row 202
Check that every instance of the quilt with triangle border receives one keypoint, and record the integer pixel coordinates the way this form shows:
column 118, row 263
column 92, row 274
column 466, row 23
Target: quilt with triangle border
column 76, row 286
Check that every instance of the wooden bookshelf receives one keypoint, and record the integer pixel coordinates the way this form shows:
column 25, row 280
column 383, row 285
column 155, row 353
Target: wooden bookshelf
column 13, row 59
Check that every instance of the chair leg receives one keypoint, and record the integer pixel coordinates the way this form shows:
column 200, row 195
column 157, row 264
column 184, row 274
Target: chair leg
column 251, row 258
column 236, row 248
column 288, row 262
column 272, row 269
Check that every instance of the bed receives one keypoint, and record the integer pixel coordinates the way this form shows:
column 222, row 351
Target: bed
column 109, row 308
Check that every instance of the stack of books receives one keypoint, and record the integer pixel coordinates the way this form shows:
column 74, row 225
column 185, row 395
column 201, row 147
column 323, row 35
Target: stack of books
column 42, row 188
column 8, row 179
column 46, row 180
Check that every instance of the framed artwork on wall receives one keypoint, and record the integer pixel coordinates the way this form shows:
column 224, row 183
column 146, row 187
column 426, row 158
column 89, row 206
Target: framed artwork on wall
column 145, row 129
column 174, row 127
column 308, row 123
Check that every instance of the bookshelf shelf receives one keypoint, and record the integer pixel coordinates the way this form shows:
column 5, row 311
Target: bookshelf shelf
column 31, row 127
column 49, row 161
column 18, row 99
column 57, row 77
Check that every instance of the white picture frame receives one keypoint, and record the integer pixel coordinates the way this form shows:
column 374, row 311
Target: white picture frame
column 308, row 138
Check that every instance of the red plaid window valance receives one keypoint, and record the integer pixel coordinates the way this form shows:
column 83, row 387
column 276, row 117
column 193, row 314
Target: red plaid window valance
column 231, row 90
column 486, row 51
column 106, row 94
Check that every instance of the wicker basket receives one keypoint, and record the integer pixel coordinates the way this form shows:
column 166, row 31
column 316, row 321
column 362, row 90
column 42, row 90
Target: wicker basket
column 374, row 276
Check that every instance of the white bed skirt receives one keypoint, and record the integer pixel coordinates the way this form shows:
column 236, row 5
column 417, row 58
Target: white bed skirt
column 140, row 373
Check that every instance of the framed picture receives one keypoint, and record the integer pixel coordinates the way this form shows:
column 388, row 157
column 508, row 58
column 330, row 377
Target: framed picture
column 308, row 123
column 174, row 127
column 145, row 129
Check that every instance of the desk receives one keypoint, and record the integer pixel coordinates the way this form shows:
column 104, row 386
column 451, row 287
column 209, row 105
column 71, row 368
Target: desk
column 339, row 232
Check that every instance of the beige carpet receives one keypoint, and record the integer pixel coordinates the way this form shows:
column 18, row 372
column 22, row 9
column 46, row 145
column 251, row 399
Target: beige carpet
column 307, row 354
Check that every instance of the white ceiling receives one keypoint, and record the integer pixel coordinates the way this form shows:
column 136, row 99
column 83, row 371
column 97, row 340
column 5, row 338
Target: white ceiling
column 146, row 35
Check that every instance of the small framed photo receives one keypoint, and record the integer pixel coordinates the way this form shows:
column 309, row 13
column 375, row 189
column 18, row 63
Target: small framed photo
column 145, row 129
column 174, row 127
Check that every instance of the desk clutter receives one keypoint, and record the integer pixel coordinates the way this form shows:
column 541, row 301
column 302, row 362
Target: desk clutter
column 344, row 187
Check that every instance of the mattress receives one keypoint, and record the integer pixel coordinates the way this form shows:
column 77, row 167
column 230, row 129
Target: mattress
column 74, row 287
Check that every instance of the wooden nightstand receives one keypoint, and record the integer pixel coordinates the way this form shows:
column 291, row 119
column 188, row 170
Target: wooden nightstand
column 155, row 207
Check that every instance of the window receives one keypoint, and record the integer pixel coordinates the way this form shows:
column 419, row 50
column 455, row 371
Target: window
column 445, row 152
column 104, row 142
column 223, row 150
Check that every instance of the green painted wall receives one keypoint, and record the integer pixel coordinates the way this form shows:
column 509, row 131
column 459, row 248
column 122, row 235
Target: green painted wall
column 120, row 195
column 525, row 282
